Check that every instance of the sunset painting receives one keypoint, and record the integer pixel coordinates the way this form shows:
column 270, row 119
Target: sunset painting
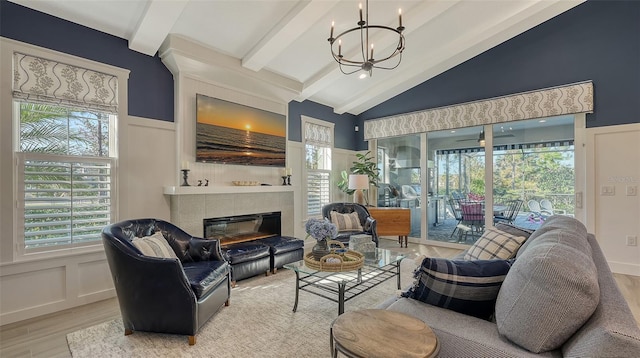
column 231, row 133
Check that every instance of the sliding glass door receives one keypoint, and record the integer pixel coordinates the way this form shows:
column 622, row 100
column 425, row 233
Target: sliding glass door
column 532, row 176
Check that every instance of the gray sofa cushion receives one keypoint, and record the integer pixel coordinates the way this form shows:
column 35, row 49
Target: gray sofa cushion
column 552, row 288
column 461, row 335
column 611, row 330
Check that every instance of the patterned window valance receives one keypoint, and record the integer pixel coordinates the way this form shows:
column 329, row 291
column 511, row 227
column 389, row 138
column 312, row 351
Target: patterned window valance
column 569, row 99
column 318, row 134
column 42, row 80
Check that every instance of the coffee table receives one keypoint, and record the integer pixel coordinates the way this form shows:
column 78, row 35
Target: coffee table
column 341, row 287
column 376, row 333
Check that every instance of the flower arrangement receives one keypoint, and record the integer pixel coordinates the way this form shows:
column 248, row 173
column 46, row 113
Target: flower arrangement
column 321, row 229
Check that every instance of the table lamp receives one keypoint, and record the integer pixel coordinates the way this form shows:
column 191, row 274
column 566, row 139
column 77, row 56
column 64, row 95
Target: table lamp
column 358, row 182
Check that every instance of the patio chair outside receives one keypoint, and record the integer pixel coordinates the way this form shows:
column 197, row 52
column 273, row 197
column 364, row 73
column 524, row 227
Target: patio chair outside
column 513, row 207
column 547, row 208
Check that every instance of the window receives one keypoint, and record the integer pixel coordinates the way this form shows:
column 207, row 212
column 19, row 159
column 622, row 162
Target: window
column 65, row 153
column 318, row 137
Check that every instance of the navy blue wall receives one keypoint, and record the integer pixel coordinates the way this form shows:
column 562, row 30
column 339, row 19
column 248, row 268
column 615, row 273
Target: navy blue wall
column 150, row 82
column 345, row 135
column 597, row 40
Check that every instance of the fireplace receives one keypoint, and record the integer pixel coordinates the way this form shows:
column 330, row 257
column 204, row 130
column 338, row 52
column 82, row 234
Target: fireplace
column 232, row 229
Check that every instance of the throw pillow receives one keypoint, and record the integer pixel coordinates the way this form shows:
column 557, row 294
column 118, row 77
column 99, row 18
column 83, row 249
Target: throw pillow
column 468, row 287
column 155, row 246
column 346, row 222
column 514, row 230
column 494, row 244
column 551, row 290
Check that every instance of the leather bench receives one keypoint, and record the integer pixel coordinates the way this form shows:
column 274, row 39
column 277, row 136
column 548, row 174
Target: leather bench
column 247, row 259
column 283, row 250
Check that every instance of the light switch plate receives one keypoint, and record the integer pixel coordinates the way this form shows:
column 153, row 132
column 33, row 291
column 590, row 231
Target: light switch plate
column 632, row 190
column 607, row 190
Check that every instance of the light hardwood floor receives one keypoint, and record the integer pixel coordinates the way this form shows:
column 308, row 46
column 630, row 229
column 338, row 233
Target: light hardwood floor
column 46, row 336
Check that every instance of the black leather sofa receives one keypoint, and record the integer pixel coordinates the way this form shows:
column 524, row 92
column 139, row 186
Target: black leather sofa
column 367, row 222
column 166, row 295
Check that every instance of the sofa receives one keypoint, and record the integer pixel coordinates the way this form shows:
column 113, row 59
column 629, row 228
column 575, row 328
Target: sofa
column 557, row 298
column 166, row 280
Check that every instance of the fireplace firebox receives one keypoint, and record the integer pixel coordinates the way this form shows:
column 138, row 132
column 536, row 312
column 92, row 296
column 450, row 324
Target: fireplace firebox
column 240, row 228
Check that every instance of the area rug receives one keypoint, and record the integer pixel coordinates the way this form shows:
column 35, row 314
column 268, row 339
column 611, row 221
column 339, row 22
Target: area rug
column 260, row 322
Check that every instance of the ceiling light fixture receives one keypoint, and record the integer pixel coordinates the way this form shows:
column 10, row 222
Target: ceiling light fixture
column 364, row 60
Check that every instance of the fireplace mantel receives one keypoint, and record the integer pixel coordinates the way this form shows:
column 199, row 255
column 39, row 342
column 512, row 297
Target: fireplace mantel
column 226, row 189
column 191, row 204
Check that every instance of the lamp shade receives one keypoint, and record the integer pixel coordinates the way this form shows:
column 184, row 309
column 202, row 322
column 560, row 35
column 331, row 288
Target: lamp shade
column 358, row 181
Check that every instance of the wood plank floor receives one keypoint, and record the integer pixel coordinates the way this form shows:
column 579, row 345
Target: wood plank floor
column 46, row 336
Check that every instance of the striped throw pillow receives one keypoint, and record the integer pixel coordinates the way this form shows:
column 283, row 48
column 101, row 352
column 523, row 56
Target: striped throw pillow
column 346, row 222
column 468, row 287
column 494, row 244
column 155, row 246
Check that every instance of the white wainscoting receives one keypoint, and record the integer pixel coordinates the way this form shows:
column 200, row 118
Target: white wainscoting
column 33, row 287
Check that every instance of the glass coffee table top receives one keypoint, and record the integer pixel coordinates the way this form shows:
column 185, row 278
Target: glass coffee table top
column 372, row 261
column 340, row 287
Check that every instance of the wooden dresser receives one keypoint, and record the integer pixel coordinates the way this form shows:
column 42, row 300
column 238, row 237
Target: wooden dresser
column 392, row 222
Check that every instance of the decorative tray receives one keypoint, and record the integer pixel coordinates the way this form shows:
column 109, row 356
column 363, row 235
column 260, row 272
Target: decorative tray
column 349, row 261
column 245, row 183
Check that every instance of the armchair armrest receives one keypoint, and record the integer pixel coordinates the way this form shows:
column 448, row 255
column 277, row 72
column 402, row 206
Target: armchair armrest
column 369, row 224
column 204, row 250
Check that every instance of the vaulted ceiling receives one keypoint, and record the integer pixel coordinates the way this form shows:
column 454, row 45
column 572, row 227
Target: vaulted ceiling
column 285, row 43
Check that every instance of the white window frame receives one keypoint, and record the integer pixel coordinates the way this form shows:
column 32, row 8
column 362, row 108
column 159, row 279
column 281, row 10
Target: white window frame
column 9, row 111
column 307, row 172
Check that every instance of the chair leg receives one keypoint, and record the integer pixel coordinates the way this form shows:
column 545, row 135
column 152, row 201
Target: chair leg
column 128, row 331
column 192, row 340
column 227, row 303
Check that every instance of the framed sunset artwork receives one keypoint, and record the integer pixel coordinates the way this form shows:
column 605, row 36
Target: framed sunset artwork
column 232, row 133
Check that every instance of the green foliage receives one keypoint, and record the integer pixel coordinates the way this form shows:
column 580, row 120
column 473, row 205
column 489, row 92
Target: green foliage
column 364, row 165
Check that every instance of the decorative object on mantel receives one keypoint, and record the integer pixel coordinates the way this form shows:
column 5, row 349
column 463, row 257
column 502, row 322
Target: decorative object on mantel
column 245, row 183
column 367, row 64
column 185, row 173
column 286, row 176
column 199, row 182
column 206, row 182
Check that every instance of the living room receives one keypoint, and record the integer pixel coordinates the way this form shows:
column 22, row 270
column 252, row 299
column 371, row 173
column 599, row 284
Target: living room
column 594, row 41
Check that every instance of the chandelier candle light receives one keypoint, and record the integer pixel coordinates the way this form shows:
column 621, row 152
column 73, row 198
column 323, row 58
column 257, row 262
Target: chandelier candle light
column 360, row 61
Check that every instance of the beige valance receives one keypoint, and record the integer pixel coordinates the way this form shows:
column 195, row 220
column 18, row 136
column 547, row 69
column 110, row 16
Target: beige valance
column 318, row 134
column 42, row 80
column 568, row 99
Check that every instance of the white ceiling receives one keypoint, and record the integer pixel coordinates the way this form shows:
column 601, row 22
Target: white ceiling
column 285, row 42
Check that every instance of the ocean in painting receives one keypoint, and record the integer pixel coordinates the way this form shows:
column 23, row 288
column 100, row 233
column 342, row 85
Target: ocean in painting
column 218, row 144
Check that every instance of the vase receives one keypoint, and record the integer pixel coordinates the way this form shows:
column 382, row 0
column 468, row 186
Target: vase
column 320, row 249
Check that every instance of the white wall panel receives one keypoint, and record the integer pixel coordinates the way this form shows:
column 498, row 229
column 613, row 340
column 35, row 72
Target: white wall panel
column 93, row 277
column 614, row 162
column 30, row 289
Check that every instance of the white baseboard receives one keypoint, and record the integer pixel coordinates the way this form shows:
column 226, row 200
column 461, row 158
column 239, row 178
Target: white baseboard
column 625, row 268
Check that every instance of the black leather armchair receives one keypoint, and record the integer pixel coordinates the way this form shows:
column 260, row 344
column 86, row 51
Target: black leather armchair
column 166, row 295
column 367, row 222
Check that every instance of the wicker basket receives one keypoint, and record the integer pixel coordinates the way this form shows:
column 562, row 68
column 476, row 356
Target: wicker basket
column 349, row 261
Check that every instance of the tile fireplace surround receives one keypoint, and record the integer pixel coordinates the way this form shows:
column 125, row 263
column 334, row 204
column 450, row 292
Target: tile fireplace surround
column 190, row 205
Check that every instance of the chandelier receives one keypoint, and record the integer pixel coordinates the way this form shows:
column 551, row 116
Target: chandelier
column 365, row 60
